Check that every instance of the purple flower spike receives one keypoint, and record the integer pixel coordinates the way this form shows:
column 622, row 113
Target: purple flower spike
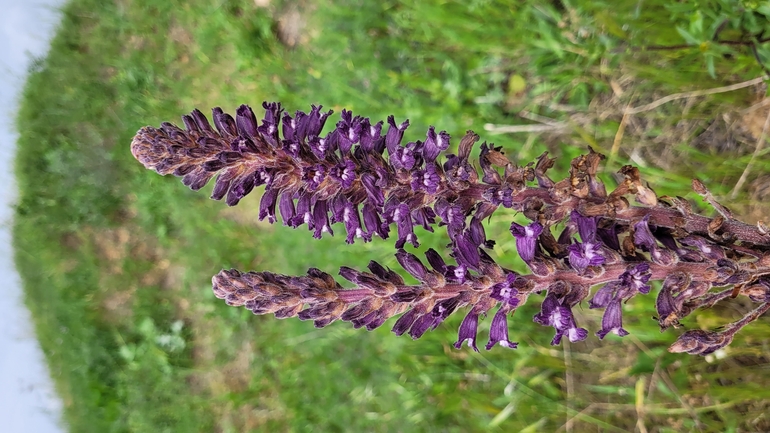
column 612, row 321
column 468, row 330
column 583, row 255
column 498, row 330
column 526, row 239
column 505, row 292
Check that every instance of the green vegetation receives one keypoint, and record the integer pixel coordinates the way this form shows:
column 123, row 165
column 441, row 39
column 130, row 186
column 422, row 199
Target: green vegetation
column 116, row 260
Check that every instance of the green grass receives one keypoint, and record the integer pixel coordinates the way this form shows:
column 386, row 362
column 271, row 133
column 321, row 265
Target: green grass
column 116, row 261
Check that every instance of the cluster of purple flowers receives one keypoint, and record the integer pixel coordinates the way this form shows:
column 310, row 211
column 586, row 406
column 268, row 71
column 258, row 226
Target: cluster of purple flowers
column 369, row 181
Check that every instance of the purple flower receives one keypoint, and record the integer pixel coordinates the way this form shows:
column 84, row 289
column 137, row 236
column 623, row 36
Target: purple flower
column 435, row 144
column 349, row 129
column 405, row 321
column 370, row 136
column 373, row 192
column 636, row 278
column 466, row 252
column 267, row 205
column 426, row 180
column 554, row 313
column 321, row 219
column 612, row 321
column 412, row 264
column 583, row 255
column 403, row 158
column 395, row 134
column 403, row 220
column 352, row 222
column 643, row 237
column 373, row 223
column 421, row 325
column 286, row 208
column 603, row 296
column 269, row 127
column 313, row 176
column 586, row 226
column 344, row 173
column 498, row 330
column 505, row 292
column 468, row 330
column 526, row 239
column 246, row 121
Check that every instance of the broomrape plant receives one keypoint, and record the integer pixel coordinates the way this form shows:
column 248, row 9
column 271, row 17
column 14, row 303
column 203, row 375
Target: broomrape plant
column 370, row 181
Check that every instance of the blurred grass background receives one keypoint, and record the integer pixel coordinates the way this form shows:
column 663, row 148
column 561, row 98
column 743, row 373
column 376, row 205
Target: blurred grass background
column 116, row 261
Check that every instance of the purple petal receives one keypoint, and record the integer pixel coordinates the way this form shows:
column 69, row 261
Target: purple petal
column 421, row 325
column 526, row 239
column 269, row 127
column 286, row 207
column 344, row 173
column 395, row 134
column 465, row 252
column 352, row 222
column 405, row 322
column 582, row 255
column 373, row 223
column 643, row 237
column 612, row 321
column 468, row 330
column 586, row 226
column 506, row 292
column 435, row 144
column 412, row 264
column 403, row 220
column 321, row 219
column 603, row 296
column 370, row 134
column 246, row 121
column 267, row 205
column 498, row 330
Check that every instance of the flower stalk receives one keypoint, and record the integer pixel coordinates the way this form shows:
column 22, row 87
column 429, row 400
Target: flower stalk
column 580, row 235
